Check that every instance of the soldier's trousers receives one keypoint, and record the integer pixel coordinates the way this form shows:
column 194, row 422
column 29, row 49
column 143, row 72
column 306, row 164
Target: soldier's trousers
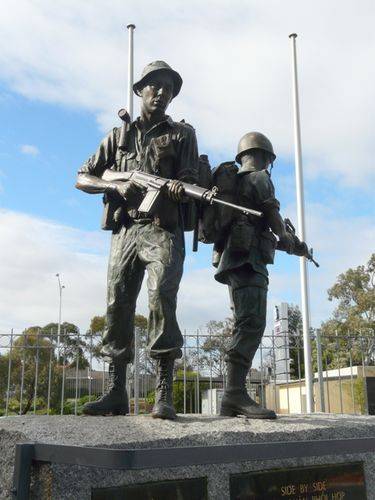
column 144, row 246
column 248, row 294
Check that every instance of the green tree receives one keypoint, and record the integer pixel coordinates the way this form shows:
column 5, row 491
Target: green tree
column 94, row 345
column 212, row 353
column 97, row 324
column 34, row 368
column 72, row 343
column 354, row 315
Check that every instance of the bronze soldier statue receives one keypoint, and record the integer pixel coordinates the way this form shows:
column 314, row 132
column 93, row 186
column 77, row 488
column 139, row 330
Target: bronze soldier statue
column 155, row 144
column 244, row 245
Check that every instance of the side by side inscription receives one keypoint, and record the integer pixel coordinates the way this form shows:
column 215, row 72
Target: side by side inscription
column 322, row 482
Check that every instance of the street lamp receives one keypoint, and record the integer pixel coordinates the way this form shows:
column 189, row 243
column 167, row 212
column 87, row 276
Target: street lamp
column 60, row 295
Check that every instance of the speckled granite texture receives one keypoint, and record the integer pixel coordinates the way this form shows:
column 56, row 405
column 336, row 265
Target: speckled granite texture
column 62, row 482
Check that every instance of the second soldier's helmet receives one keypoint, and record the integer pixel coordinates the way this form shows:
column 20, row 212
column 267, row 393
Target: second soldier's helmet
column 254, row 140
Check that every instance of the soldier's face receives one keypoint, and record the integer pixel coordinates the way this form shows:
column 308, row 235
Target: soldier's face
column 256, row 159
column 157, row 93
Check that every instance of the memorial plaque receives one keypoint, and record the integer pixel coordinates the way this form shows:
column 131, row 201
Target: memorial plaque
column 184, row 489
column 321, row 482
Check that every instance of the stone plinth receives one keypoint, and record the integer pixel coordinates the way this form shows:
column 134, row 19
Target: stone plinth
column 62, row 482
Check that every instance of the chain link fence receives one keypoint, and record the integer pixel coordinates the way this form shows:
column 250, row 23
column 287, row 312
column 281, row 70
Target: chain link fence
column 41, row 373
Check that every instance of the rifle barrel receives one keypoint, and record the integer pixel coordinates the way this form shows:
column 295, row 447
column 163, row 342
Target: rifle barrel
column 245, row 210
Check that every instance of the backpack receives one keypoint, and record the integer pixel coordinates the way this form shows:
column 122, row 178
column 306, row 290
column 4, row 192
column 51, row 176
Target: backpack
column 216, row 219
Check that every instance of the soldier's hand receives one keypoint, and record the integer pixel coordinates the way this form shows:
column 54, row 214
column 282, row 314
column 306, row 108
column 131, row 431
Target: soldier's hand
column 301, row 249
column 175, row 190
column 287, row 242
column 129, row 191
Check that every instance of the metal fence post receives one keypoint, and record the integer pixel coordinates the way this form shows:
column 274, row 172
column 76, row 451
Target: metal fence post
column 274, row 370
column 76, row 387
column 9, row 372
column 90, row 366
column 63, row 374
column 49, row 379
column 351, row 372
column 103, row 379
column 184, row 371
column 261, row 374
column 299, row 369
column 36, row 370
column 339, row 368
column 327, row 383
column 320, row 371
column 364, row 374
column 287, row 366
column 136, row 373
column 211, row 395
column 198, row 380
column 23, row 361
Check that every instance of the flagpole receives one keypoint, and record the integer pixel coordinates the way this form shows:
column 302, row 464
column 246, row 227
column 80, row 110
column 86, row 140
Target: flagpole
column 302, row 233
column 131, row 28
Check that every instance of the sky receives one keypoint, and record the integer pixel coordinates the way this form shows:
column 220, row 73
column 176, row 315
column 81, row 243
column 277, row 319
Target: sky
column 63, row 77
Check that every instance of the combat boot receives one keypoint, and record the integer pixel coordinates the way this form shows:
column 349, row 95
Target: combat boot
column 115, row 401
column 236, row 400
column 163, row 407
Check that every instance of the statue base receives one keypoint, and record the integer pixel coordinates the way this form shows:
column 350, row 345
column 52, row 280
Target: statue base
column 217, row 449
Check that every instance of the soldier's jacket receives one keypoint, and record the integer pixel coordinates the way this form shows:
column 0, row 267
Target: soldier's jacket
column 249, row 240
column 168, row 149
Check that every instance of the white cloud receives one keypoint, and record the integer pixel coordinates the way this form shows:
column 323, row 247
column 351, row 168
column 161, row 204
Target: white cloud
column 29, row 149
column 34, row 250
column 235, row 61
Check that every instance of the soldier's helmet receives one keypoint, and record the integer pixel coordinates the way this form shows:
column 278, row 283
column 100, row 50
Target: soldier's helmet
column 158, row 66
column 254, row 140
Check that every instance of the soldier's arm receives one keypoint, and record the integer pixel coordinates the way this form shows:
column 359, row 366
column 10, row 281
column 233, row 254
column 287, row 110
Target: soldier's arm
column 89, row 175
column 187, row 161
column 270, row 206
column 187, row 156
column 277, row 225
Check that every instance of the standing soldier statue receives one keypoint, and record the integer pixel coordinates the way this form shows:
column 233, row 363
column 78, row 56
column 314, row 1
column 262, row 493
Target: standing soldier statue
column 157, row 145
column 244, row 245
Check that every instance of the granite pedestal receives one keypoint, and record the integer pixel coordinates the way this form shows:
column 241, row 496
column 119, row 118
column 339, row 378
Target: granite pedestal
column 66, row 481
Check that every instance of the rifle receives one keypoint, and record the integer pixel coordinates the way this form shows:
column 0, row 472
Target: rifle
column 155, row 186
column 300, row 247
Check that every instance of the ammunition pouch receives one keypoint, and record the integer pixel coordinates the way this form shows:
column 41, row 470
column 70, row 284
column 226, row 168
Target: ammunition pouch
column 114, row 215
column 241, row 236
column 267, row 246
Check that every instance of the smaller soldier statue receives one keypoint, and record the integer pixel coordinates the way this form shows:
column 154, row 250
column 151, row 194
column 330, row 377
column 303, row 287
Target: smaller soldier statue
column 244, row 245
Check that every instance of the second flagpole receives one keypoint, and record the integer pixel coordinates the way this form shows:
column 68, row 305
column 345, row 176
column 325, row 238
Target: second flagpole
column 302, row 234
